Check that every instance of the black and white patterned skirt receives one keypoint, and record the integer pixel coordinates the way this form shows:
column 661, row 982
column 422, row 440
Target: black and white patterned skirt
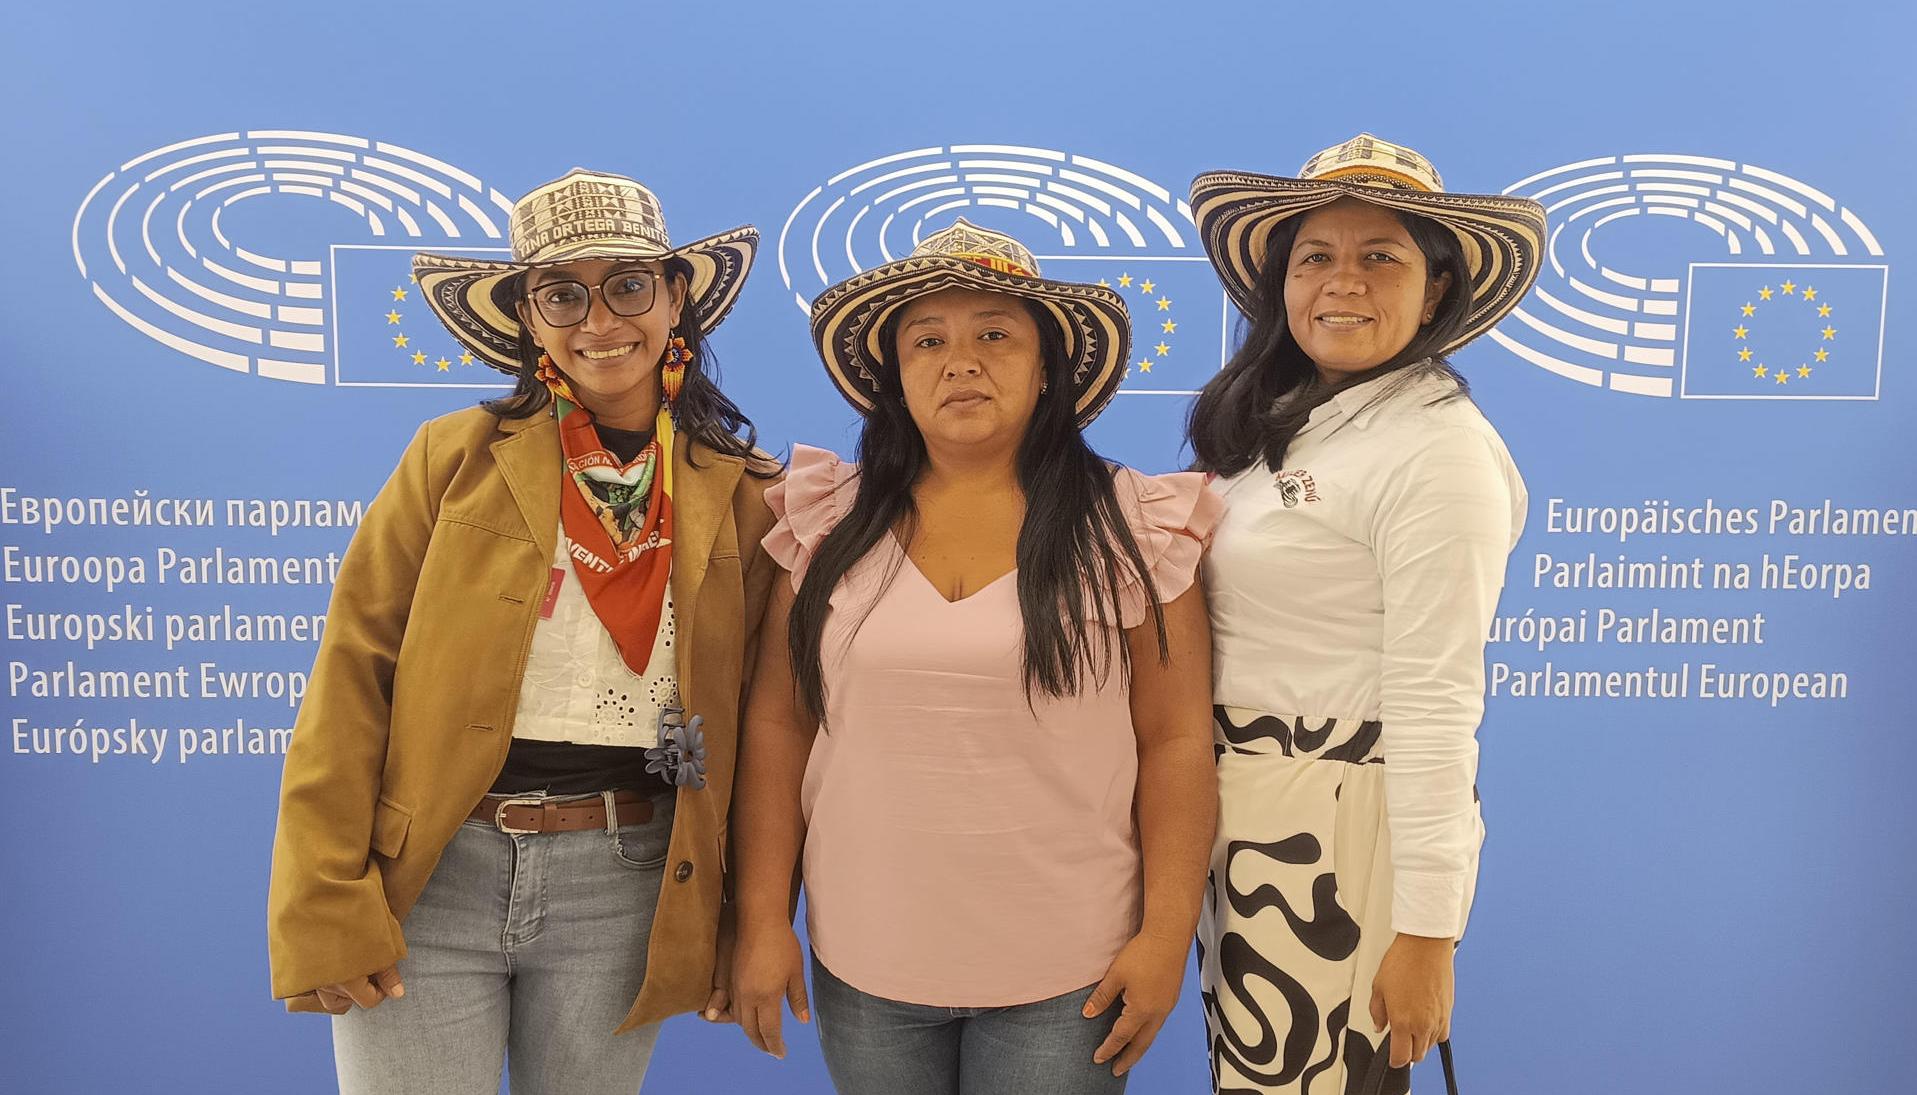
column 1298, row 914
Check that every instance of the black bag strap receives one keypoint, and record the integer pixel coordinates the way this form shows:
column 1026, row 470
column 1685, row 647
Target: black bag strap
column 1381, row 1067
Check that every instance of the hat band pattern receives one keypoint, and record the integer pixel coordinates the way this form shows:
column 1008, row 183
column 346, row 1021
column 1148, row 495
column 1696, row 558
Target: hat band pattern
column 995, row 262
column 1374, row 176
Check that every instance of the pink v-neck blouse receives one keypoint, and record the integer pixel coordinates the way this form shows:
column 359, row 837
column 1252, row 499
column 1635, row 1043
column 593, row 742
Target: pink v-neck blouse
column 964, row 849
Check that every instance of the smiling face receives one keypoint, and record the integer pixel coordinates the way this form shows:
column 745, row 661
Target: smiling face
column 970, row 367
column 611, row 361
column 1357, row 288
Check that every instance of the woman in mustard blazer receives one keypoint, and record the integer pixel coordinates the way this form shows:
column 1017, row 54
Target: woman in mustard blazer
column 503, row 818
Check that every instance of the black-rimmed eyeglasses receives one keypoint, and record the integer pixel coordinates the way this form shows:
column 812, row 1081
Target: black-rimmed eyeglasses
column 565, row 303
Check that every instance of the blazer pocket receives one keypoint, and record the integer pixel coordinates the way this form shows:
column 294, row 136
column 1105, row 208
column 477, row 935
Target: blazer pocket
column 390, row 823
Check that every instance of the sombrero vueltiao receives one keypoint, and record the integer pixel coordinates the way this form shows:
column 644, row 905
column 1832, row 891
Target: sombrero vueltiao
column 583, row 215
column 847, row 318
column 1503, row 236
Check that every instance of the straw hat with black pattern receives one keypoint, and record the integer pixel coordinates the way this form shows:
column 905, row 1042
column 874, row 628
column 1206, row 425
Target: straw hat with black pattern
column 1502, row 236
column 847, row 318
column 583, row 215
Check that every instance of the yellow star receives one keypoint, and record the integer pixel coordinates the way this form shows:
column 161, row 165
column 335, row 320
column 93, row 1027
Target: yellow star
column 1822, row 355
column 1810, row 293
column 466, row 358
column 400, row 341
column 1823, row 310
column 1750, row 309
column 1783, row 377
column 1144, row 366
column 419, row 357
column 1146, row 287
column 1744, row 354
column 392, row 317
column 1790, row 287
column 1764, row 293
column 1803, row 370
column 1164, row 304
column 414, row 278
column 444, row 365
column 1125, row 280
column 1759, row 370
column 1103, row 284
column 1830, row 333
column 399, row 294
column 1740, row 331
column 1169, row 327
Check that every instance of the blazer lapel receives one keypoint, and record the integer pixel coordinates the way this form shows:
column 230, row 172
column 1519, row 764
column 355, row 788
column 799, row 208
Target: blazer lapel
column 528, row 459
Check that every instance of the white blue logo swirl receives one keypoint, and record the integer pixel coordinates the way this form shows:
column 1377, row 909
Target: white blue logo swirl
column 167, row 241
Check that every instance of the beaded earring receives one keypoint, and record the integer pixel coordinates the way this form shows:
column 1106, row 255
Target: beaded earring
column 672, row 375
column 548, row 374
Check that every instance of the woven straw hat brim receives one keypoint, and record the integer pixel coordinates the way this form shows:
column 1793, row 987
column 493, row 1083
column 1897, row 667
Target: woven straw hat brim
column 465, row 293
column 848, row 317
column 1503, row 237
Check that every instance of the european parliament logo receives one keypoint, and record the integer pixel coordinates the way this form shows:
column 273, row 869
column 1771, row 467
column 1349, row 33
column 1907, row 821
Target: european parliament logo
column 1085, row 220
column 170, row 243
column 1701, row 278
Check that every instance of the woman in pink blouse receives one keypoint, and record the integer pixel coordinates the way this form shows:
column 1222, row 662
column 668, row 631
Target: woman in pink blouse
column 988, row 732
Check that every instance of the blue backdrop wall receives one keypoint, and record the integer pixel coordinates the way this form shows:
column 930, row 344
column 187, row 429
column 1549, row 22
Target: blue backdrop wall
column 1700, row 862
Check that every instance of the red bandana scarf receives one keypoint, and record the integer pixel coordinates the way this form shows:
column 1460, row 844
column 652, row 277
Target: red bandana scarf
column 621, row 545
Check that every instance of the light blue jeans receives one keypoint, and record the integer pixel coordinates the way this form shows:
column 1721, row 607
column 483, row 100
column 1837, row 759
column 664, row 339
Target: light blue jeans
column 523, row 952
column 875, row 1046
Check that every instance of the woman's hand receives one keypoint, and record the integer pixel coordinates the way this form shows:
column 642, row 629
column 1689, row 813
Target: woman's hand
column 1147, row 974
column 769, row 967
column 1412, row 996
column 339, row 997
column 718, row 1007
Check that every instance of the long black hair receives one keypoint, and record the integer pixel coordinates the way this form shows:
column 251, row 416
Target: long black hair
column 1075, row 548
column 1255, row 406
column 702, row 411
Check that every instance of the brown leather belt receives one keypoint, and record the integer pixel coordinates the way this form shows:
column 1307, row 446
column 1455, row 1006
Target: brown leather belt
column 519, row 814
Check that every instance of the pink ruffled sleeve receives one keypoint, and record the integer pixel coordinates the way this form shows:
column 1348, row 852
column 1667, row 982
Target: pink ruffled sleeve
column 807, row 504
column 1172, row 517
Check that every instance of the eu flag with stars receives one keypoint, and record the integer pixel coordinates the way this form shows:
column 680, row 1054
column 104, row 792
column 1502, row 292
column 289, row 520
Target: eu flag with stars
column 1178, row 314
column 1783, row 331
column 386, row 336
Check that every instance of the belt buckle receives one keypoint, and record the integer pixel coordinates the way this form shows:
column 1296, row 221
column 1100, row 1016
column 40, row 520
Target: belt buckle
column 499, row 815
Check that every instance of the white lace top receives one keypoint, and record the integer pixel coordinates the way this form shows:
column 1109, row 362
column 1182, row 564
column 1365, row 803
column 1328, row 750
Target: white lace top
column 577, row 687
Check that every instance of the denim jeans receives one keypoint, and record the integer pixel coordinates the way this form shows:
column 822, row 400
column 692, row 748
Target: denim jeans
column 524, row 952
column 875, row 1046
